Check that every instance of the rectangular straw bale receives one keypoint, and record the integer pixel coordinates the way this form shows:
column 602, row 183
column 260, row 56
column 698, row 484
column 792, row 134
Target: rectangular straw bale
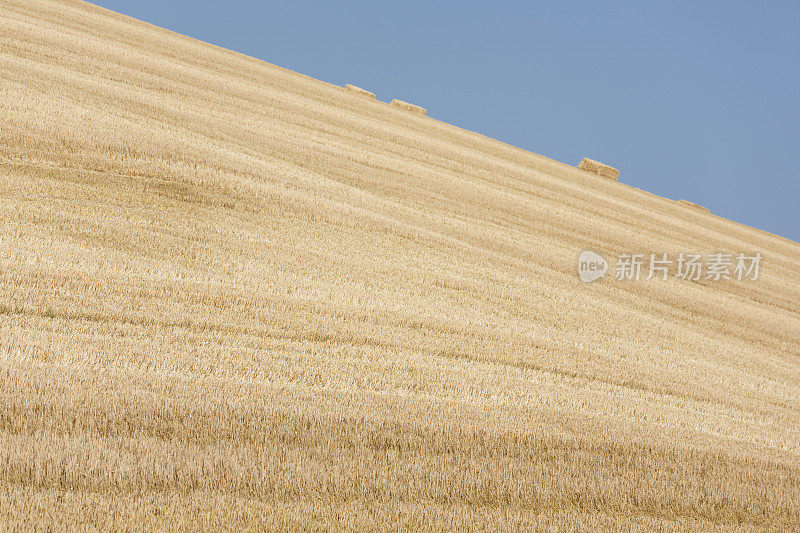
column 359, row 90
column 409, row 107
column 693, row 205
column 595, row 167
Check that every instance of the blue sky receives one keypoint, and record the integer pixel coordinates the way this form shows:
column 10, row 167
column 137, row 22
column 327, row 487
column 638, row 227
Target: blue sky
column 689, row 99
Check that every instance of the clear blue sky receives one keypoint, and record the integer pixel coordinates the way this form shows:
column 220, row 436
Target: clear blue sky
column 689, row 99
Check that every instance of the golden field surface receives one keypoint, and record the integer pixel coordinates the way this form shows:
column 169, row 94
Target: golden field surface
column 232, row 296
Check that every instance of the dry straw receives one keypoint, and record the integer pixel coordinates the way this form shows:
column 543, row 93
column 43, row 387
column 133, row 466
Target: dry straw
column 595, row 167
column 409, row 107
column 693, row 205
column 359, row 90
column 238, row 303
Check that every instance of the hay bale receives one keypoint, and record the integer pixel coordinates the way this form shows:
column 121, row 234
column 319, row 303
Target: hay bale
column 409, row 107
column 595, row 167
column 359, row 90
column 693, row 205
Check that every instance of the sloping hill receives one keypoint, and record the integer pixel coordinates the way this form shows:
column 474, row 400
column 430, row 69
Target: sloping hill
column 232, row 295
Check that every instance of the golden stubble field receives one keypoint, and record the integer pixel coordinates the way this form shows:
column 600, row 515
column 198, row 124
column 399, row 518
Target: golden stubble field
column 233, row 296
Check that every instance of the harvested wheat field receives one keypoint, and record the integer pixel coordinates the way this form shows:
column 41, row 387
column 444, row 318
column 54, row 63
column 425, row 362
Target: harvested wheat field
column 233, row 296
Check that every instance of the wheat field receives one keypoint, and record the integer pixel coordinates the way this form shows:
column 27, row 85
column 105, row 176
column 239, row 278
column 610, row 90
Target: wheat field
column 233, row 297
